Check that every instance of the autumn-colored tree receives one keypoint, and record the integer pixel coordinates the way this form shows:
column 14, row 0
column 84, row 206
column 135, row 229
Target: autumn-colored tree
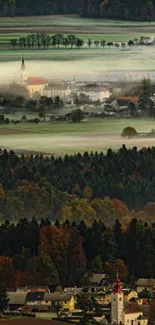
column 118, row 265
column 76, row 257
column 7, row 271
column 20, row 279
column 77, row 210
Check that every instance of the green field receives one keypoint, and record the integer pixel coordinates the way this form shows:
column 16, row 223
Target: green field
column 59, row 138
column 97, row 29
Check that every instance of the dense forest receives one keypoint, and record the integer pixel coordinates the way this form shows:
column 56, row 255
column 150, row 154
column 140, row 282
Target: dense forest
column 117, row 9
column 64, row 218
column 67, row 254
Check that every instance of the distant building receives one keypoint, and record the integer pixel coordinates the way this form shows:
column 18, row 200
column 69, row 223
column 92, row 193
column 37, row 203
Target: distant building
column 144, row 283
column 63, row 90
column 94, row 92
column 34, row 85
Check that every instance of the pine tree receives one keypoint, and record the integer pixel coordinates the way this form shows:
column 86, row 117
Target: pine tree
column 3, row 298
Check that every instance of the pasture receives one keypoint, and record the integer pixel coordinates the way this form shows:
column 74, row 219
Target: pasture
column 59, row 138
column 96, row 29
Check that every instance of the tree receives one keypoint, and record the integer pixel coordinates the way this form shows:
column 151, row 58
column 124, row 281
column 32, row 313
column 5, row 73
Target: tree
column 3, row 298
column 22, row 42
column 103, row 43
column 112, row 267
column 147, row 11
column 71, row 40
column 97, row 265
column 146, row 88
column 14, row 43
column 46, row 271
column 89, row 42
column 96, row 43
column 76, row 115
column 79, row 43
column 129, row 132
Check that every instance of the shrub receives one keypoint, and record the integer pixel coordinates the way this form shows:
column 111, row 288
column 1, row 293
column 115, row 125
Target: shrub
column 129, row 132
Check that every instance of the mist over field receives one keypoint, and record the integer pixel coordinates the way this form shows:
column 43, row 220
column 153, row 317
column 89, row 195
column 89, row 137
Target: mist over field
column 95, row 65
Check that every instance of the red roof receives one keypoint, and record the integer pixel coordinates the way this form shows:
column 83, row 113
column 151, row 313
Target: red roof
column 134, row 99
column 117, row 287
column 36, row 81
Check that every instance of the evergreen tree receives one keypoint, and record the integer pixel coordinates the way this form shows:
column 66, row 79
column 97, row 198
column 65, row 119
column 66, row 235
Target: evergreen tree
column 3, row 298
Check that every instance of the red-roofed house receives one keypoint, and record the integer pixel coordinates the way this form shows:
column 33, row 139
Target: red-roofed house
column 133, row 99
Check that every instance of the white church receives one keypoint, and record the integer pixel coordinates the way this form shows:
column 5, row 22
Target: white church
column 125, row 313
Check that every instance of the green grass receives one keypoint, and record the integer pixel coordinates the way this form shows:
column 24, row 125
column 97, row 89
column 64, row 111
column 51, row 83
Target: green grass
column 62, row 137
column 93, row 126
column 67, row 21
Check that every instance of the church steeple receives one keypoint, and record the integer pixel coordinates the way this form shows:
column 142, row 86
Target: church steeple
column 23, row 63
column 117, row 302
column 23, row 72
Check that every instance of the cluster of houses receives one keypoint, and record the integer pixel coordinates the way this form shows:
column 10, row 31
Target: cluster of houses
column 119, row 305
column 38, row 86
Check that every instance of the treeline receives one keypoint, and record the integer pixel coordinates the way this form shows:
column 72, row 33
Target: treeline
column 41, row 253
column 118, row 9
column 81, row 187
column 43, row 40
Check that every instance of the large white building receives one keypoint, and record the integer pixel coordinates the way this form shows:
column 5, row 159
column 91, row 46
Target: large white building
column 94, row 92
column 122, row 312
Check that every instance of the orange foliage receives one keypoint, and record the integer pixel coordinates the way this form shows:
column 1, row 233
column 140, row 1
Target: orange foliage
column 6, row 271
column 21, row 279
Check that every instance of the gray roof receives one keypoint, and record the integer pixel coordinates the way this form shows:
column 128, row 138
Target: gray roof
column 57, row 296
column 17, row 298
column 97, row 278
column 144, row 282
column 73, row 291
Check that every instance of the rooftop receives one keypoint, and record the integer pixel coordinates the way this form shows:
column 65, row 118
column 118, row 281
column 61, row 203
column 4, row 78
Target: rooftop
column 36, row 81
column 131, row 308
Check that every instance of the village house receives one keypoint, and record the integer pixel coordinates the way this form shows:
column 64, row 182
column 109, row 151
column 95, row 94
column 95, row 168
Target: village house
column 94, row 92
column 62, row 90
column 144, row 283
column 40, row 301
column 129, row 294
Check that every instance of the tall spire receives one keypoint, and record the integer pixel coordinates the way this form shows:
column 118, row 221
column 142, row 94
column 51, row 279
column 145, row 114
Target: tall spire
column 23, row 63
column 117, row 285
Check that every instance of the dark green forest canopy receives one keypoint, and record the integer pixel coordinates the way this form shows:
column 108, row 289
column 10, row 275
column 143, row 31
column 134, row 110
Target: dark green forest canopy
column 127, row 175
column 117, row 9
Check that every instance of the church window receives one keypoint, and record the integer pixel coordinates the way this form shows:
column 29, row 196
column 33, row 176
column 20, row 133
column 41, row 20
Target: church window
column 120, row 299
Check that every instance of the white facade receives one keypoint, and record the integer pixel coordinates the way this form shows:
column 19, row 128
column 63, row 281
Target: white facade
column 117, row 304
column 95, row 94
column 130, row 319
column 134, row 319
column 62, row 93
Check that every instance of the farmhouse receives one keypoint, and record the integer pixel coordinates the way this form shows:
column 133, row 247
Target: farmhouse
column 34, row 85
column 40, row 300
column 94, row 92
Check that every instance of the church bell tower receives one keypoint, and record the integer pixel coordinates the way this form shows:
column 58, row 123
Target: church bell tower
column 117, row 303
column 23, row 72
